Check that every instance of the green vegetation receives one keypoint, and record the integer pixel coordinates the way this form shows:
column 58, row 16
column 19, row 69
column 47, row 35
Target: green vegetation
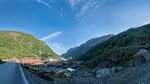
column 77, row 52
column 119, row 49
column 22, row 45
column 117, row 69
column 0, row 61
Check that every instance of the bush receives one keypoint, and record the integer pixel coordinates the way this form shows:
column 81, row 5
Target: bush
column 1, row 61
column 117, row 69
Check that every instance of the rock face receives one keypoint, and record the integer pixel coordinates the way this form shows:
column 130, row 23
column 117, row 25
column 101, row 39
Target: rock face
column 135, row 75
column 145, row 54
column 141, row 57
column 103, row 72
column 77, row 52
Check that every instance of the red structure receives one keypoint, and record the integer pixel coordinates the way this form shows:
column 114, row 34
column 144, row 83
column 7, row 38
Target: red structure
column 31, row 61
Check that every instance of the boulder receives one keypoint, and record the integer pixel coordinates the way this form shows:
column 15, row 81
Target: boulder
column 145, row 54
column 141, row 57
column 103, row 72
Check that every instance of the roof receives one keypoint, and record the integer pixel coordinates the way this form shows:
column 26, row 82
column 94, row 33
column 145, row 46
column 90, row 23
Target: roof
column 30, row 61
column 70, row 69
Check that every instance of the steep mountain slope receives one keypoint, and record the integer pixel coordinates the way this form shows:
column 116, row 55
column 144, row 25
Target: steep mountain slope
column 22, row 45
column 76, row 52
column 120, row 49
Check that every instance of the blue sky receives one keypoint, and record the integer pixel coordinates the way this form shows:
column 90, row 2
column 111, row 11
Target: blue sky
column 63, row 24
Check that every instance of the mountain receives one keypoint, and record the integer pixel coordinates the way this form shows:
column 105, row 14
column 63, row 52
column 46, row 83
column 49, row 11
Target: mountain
column 23, row 45
column 120, row 49
column 76, row 52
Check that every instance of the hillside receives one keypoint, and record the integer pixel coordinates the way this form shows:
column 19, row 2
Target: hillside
column 120, row 49
column 135, row 75
column 22, row 45
column 76, row 52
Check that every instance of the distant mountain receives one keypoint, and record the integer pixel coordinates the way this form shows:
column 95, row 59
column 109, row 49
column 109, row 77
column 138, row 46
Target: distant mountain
column 76, row 52
column 23, row 45
column 120, row 50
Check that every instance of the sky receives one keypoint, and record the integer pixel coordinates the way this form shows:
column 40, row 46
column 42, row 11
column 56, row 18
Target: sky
column 64, row 24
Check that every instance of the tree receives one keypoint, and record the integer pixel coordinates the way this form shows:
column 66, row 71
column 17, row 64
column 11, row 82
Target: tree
column 44, row 56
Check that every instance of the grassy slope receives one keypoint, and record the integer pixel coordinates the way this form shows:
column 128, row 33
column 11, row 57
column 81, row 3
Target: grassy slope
column 21, row 45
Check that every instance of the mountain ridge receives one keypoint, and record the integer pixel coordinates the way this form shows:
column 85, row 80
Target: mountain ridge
column 119, row 49
column 78, row 51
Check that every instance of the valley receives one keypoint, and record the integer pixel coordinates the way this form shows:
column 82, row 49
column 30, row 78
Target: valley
column 116, row 56
column 74, row 42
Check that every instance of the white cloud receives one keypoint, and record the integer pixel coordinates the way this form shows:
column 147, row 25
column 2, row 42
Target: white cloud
column 87, row 6
column 146, row 23
column 82, row 6
column 51, row 36
column 58, row 48
column 51, row 5
column 44, row 3
column 74, row 2
column 78, row 44
column 101, row 3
